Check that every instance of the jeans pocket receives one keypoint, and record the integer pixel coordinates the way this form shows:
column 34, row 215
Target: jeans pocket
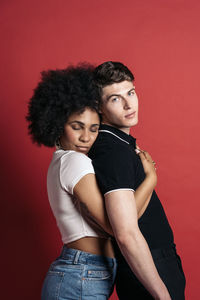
column 97, row 283
column 98, row 274
column 51, row 285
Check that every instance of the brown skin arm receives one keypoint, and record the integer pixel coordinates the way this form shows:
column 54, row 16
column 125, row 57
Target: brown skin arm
column 87, row 191
column 144, row 191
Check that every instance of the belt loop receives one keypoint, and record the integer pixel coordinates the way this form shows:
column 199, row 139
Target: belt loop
column 76, row 258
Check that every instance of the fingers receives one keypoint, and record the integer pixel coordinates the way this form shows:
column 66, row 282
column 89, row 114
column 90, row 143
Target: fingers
column 137, row 147
column 145, row 155
column 141, row 155
column 137, row 150
column 148, row 156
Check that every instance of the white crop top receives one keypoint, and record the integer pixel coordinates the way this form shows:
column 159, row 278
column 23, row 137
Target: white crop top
column 73, row 219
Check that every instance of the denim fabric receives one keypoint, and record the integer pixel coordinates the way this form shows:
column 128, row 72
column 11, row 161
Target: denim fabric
column 77, row 275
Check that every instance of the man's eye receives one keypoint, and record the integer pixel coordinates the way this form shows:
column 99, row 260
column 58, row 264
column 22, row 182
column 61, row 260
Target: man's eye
column 131, row 93
column 116, row 99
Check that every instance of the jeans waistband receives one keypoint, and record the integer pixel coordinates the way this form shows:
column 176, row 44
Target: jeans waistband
column 77, row 257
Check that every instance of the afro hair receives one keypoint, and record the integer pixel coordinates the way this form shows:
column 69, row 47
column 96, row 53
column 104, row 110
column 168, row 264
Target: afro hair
column 59, row 94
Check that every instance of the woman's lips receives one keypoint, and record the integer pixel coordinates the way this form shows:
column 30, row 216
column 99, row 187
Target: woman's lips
column 83, row 148
column 131, row 115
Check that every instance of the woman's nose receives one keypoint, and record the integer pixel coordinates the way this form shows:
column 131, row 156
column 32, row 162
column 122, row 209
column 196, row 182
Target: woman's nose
column 85, row 136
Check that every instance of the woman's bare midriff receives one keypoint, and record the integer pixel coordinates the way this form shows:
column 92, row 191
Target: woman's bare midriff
column 94, row 245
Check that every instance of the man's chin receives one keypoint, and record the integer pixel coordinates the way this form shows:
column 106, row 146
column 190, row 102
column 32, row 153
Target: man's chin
column 131, row 124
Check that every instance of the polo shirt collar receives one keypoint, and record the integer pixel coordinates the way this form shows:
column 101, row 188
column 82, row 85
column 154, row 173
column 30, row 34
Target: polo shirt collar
column 126, row 138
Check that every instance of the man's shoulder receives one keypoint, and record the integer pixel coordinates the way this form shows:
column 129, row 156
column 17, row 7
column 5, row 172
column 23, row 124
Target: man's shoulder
column 114, row 162
column 104, row 147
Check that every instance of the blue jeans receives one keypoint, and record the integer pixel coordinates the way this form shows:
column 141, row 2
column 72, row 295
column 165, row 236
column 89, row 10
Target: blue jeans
column 77, row 275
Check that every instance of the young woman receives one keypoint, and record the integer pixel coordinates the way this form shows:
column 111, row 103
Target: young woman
column 64, row 112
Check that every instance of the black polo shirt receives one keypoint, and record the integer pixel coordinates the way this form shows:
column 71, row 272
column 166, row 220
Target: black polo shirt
column 118, row 167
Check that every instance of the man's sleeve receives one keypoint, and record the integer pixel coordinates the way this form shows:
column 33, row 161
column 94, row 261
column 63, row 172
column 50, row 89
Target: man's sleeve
column 115, row 170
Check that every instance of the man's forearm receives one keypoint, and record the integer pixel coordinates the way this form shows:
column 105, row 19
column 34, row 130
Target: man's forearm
column 138, row 256
column 122, row 214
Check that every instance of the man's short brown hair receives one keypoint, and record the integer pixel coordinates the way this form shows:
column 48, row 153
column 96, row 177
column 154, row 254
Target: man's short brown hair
column 111, row 72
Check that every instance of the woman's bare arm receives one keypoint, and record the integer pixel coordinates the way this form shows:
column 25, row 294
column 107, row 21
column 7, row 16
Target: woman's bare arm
column 144, row 191
column 87, row 191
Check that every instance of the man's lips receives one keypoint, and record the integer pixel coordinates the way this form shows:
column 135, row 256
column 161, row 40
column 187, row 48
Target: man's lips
column 131, row 115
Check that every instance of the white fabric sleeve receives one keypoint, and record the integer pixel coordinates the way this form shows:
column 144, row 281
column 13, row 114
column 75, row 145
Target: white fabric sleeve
column 73, row 166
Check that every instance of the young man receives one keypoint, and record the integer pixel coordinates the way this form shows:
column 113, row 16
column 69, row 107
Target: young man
column 119, row 173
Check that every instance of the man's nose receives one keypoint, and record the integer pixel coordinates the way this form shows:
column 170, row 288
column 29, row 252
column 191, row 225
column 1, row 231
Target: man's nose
column 127, row 103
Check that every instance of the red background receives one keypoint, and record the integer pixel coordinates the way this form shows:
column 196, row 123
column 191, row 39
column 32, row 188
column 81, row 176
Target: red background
column 160, row 42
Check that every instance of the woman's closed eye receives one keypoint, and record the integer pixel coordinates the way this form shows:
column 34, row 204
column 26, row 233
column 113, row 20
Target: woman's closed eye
column 94, row 128
column 76, row 126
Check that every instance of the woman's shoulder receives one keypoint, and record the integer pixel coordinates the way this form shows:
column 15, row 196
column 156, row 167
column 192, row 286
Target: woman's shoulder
column 73, row 166
column 73, row 159
column 73, row 155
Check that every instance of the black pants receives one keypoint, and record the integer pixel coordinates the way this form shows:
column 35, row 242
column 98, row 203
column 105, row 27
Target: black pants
column 169, row 267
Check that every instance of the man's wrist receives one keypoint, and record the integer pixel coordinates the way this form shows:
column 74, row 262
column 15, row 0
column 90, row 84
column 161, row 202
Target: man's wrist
column 163, row 294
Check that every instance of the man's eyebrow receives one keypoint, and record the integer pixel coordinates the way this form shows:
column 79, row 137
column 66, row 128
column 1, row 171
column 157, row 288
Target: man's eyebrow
column 133, row 89
column 119, row 95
